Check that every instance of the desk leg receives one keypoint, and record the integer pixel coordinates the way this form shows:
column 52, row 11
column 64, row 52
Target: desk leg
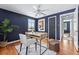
column 36, row 45
column 40, row 46
column 26, row 50
column 20, row 47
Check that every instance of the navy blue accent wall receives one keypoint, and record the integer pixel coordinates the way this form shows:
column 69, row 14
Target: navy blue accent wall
column 36, row 24
column 58, row 21
column 16, row 19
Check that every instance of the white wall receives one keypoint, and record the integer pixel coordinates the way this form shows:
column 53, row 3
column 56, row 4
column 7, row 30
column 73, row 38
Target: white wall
column 76, row 28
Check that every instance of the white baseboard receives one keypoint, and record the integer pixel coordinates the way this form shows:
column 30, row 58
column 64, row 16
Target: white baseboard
column 13, row 41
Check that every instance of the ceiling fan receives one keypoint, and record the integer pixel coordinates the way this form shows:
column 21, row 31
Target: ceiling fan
column 38, row 11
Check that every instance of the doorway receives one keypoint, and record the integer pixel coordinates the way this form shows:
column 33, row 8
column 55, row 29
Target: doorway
column 66, row 26
column 52, row 27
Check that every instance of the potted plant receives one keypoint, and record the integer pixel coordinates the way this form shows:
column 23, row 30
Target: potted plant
column 5, row 28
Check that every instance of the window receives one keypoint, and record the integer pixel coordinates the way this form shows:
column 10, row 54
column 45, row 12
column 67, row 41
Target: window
column 31, row 25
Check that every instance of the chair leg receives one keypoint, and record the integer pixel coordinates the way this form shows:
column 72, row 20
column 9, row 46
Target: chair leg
column 36, row 46
column 26, row 50
column 20, row 47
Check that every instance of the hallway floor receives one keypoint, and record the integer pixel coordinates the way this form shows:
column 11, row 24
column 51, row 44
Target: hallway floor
column 67, row 47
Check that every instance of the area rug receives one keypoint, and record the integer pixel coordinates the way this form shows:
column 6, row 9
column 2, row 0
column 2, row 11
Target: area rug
column 31, row 50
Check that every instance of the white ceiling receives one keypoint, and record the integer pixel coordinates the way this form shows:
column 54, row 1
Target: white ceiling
column 27, row 9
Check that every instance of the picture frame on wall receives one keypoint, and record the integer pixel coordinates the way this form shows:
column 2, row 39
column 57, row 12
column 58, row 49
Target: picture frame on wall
column 41, row 24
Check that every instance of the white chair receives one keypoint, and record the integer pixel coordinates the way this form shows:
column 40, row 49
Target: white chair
column 27, row 42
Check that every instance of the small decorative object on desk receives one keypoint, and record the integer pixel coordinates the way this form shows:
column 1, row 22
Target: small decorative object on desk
column 33, row 30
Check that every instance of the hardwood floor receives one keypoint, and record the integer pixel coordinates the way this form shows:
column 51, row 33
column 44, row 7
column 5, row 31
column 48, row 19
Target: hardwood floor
column 9, row 49
column 66, row 48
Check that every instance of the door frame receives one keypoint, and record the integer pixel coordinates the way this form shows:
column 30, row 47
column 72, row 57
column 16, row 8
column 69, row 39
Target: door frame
column 55, row 26
column 71, row 24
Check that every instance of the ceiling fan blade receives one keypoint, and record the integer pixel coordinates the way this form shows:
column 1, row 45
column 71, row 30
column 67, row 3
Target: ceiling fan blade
column 30, row 12
column 35, row 7
column 42, row 13
column 45, row 10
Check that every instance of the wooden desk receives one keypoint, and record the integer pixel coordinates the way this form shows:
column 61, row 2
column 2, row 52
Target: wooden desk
column 38, row 36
